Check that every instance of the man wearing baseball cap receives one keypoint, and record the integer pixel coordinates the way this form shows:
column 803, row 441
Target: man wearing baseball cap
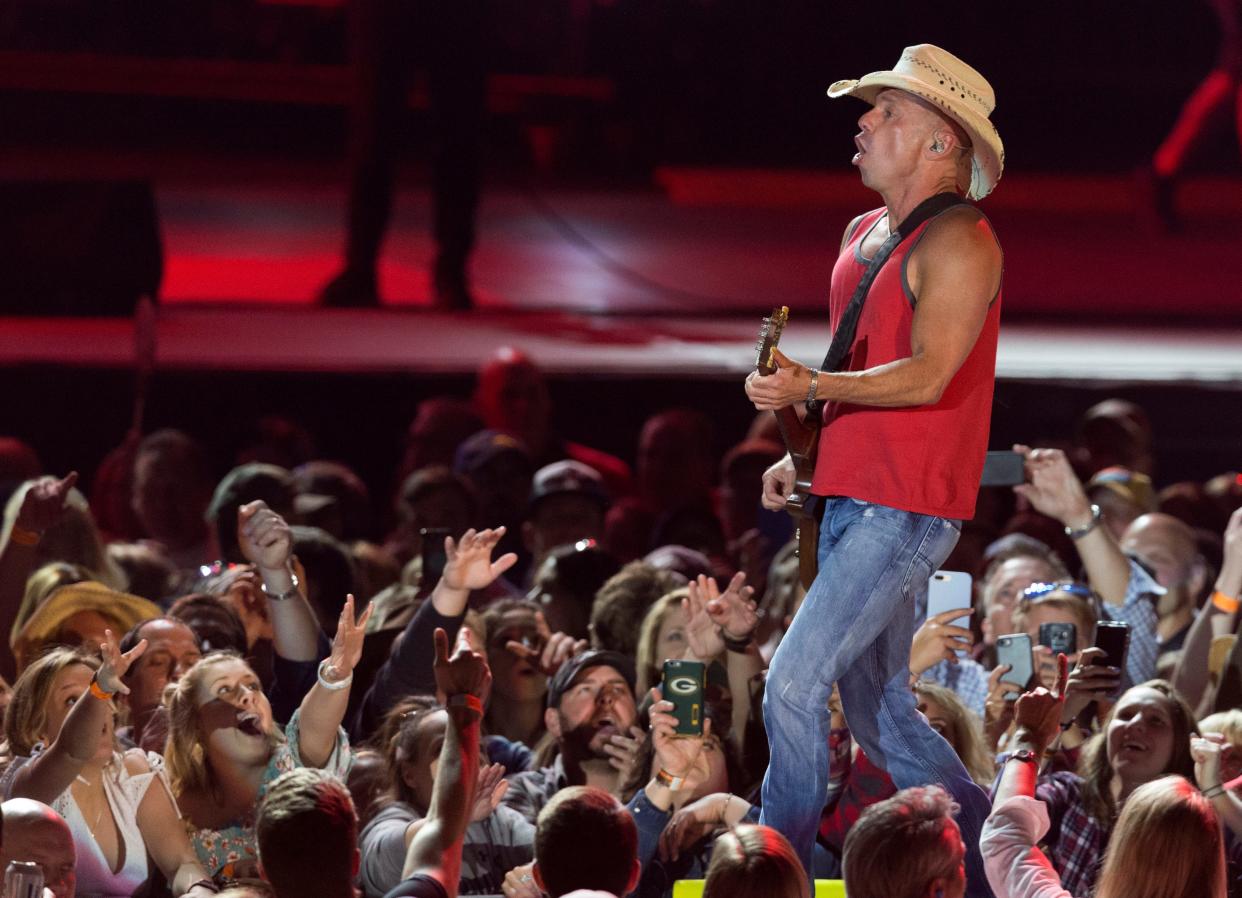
column 590, row 702
column 904, row 398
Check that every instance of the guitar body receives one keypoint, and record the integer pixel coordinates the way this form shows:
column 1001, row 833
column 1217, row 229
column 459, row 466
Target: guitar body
column 802, row 442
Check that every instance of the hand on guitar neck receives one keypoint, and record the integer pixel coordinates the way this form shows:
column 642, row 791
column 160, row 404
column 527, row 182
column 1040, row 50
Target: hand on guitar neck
column 788, row 384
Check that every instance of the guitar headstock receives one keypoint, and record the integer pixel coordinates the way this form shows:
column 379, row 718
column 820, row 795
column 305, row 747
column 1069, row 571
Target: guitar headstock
column 769, row 337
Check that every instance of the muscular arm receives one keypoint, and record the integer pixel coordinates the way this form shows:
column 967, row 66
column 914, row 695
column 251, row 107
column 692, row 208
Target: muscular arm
column 955, row 273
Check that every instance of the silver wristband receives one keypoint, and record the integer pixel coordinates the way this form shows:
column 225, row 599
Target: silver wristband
column 287, row 594
column 814, row 388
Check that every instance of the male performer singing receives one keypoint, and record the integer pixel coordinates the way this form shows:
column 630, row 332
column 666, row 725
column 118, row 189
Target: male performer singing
column 903, row 441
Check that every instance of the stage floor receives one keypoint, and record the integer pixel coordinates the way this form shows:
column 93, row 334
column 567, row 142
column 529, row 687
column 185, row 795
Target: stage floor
column 668, row 280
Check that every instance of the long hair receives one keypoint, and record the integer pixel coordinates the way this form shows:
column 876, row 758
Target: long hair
column 751, row 861
column 1167, row 844
column 26, row 716
column 1097, row 771
column 397, row 741
column 966, row 732
column 648, row 666
column 185, row 754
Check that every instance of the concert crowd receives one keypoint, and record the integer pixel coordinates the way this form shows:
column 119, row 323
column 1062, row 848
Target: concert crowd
column 267, row 681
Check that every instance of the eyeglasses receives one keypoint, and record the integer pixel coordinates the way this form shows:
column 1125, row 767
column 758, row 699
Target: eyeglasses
column 1039, row 590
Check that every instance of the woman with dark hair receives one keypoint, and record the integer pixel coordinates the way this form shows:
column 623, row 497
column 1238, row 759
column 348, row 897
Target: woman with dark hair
column 1165, row 842
column 1145, row 736
column 497, row 838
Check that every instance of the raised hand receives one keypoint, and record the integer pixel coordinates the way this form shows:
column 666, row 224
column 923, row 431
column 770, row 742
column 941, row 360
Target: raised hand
column 557, row 647
column 469, row 564
column 1088, row 683
column 681, row 756
column 44, row 503
column 997, row 709
column 938, row 640
column 1038, row 713
column 347, row 644
column 116, row 663
column 489, row 790
column 1053, row 488
column 734, row 610
column 1230, row 579
column 263, row 536
column 1208, row 751
column 702, row 633
column 465, row 673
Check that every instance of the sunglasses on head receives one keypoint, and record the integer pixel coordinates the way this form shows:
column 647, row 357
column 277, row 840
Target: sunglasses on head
column 1039, row 590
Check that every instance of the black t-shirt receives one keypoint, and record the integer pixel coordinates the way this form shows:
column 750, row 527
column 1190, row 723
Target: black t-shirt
column 418, row 886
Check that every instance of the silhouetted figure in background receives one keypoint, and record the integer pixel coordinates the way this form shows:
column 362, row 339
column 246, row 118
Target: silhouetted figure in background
column 385, row 35
column 1218, row 94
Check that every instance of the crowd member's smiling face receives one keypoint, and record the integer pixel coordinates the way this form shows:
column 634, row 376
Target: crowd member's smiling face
column 233, row 713
column 1140, row 736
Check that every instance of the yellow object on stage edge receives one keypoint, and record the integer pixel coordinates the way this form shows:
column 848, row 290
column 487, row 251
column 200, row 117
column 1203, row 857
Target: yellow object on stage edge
column 824, row 888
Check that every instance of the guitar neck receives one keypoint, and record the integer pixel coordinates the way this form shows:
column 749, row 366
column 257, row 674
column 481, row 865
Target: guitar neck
column 800, row 438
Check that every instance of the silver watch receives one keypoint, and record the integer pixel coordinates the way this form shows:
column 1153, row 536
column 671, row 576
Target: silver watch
column 1080, row 532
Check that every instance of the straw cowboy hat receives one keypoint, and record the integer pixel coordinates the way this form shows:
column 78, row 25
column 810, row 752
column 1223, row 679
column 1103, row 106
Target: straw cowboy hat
column 121, row 609
column 957, row 90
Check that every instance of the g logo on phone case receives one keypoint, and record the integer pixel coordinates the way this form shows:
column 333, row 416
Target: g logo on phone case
column 684, row 685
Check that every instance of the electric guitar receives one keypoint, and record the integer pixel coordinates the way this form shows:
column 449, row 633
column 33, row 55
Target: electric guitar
column 802, row 441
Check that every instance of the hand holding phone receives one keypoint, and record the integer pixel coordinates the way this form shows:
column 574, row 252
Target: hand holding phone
column 1014, row 651
column 1113, row 638
column 684, row 684
column 950, row 591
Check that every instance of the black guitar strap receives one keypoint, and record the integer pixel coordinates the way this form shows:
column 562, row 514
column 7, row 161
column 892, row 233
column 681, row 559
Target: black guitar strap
column 843, row 337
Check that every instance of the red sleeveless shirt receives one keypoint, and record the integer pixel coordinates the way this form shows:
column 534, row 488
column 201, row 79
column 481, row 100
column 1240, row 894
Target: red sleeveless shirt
column 926, row 459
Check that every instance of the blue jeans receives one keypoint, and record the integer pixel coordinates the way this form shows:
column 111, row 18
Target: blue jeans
column 855, row 628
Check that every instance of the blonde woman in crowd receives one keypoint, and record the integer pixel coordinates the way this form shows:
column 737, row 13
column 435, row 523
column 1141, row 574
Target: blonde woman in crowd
column 60, row 739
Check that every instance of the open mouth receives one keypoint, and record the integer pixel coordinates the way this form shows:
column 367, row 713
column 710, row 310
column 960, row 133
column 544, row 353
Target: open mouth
column 250, row 724
column 606, row 725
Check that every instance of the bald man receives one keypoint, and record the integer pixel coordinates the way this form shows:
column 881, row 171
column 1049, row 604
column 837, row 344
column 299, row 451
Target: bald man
column 1167, row 548
column 34, row 832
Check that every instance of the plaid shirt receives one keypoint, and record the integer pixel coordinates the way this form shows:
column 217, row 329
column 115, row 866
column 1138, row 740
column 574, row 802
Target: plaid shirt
column 967, row 679
column 1076, row 840
column 1139, row 611
column 854, row 784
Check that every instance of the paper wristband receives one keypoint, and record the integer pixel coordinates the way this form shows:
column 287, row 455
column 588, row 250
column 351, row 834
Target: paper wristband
column 1225, row 603
column 466, row 700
